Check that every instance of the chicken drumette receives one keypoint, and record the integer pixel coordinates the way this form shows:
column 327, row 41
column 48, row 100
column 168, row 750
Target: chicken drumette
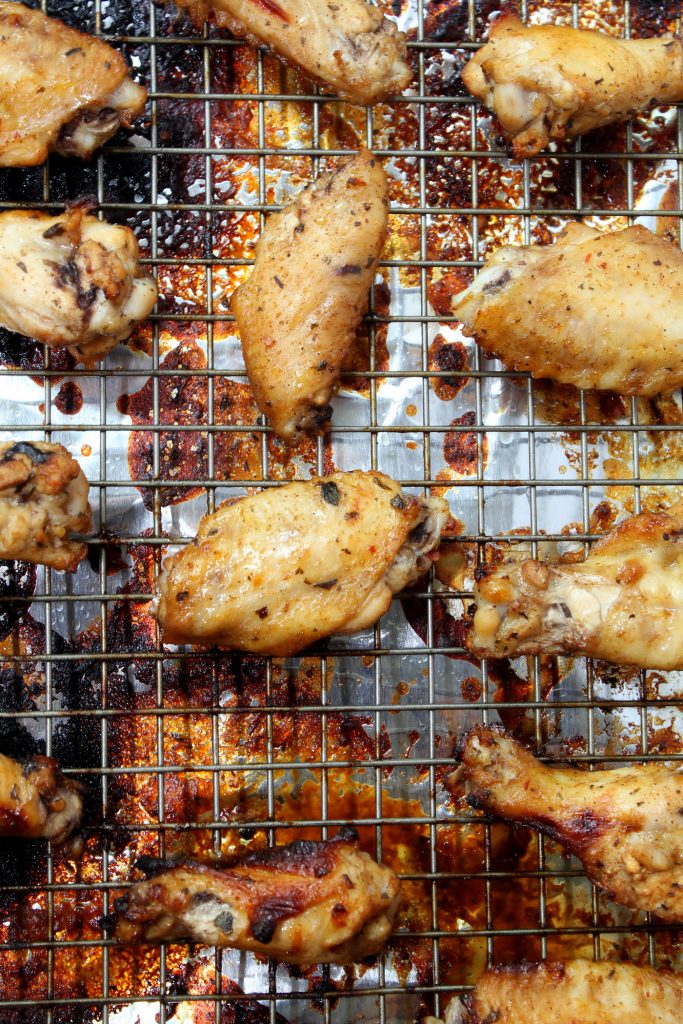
column 348, row 46
column 595, row 310
column 303, row 903
column 37, row 801
column 278, row 570
column 573, row 992
column 43, row 500
column 623, row 603
column 59, row 89
column 554, row 82
column 71, row 281
column 299, row 311
column 624, row 824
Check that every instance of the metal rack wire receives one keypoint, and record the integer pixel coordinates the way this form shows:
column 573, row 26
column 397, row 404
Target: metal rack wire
column 98, row 702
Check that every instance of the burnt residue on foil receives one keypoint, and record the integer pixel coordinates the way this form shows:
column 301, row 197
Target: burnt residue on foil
column 184, row 454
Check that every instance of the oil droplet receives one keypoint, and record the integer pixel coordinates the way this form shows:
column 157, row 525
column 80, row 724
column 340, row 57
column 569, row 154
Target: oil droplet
column 86, row 450
column 412, row 445
column 411, row 410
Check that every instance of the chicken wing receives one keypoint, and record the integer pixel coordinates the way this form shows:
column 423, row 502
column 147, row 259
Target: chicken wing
column 594, row 310
column 624, row 824
column 303, row 903
column 36, row 801
column 43, row 499
column 573, row 992
column 347, row 46
column 624, row 603
column 59, row 89
column 299, row 311
column 71, row 281
column 554, row 82
column 278, row 570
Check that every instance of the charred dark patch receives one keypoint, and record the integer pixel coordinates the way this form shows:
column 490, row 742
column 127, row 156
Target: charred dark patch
column 268, row 915
column 447, row 357
column 303, row 857
column 69, row 398
column 26, row 448
column 54, row 231
column 330, row 492
column 326, row 584
column 460, row 446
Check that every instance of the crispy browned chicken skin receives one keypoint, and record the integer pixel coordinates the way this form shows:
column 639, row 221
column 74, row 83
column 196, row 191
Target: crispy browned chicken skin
column 59, row 89
column 37, row 801
column 303, row 903
column 299, row 311
column 623, row 603
column 624, row 824
column 573, row 992
column 554, row 82
column 346, row 45
column 276, row 571
column 596, row 310
column 43, row 500
column 71, row 281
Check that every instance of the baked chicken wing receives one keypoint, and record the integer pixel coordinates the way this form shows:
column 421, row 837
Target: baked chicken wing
column 595, row 310
column 554, row 82
column 573, row 992
column 299, row 311
column 71, row 281
column 59, row 89
column 303, row 903
column 624, row 824
column 37, row 801
column 347, row 46
column 43, row 500
column 623, row 604
column 276, row 571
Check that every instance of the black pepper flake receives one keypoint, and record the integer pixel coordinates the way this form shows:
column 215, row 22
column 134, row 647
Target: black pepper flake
column 224, row 922
column 385, row 487
column 262, row 612
column 658, row 263
column 278, row 282
column 397, row 502
column 182, row 595
column 56, row 229
column 322, row 364
column 22, row 266
column 74, row 49
column 326, row 585
column 330, row 492
column 348, row 268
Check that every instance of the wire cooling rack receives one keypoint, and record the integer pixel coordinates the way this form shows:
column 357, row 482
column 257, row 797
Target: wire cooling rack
column 204, row 754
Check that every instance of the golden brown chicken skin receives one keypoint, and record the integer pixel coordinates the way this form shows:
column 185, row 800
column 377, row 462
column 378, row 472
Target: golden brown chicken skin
column 594, row 310
column 299, row 311
column 348, row 46
column 623, row 603
column 59, row 89
column 37, row 801
column 43, row 500
column 303, row 903
column 548, row 82
column 278, row 570
column 624, row 824
column 71, row 281
column 573, row 992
